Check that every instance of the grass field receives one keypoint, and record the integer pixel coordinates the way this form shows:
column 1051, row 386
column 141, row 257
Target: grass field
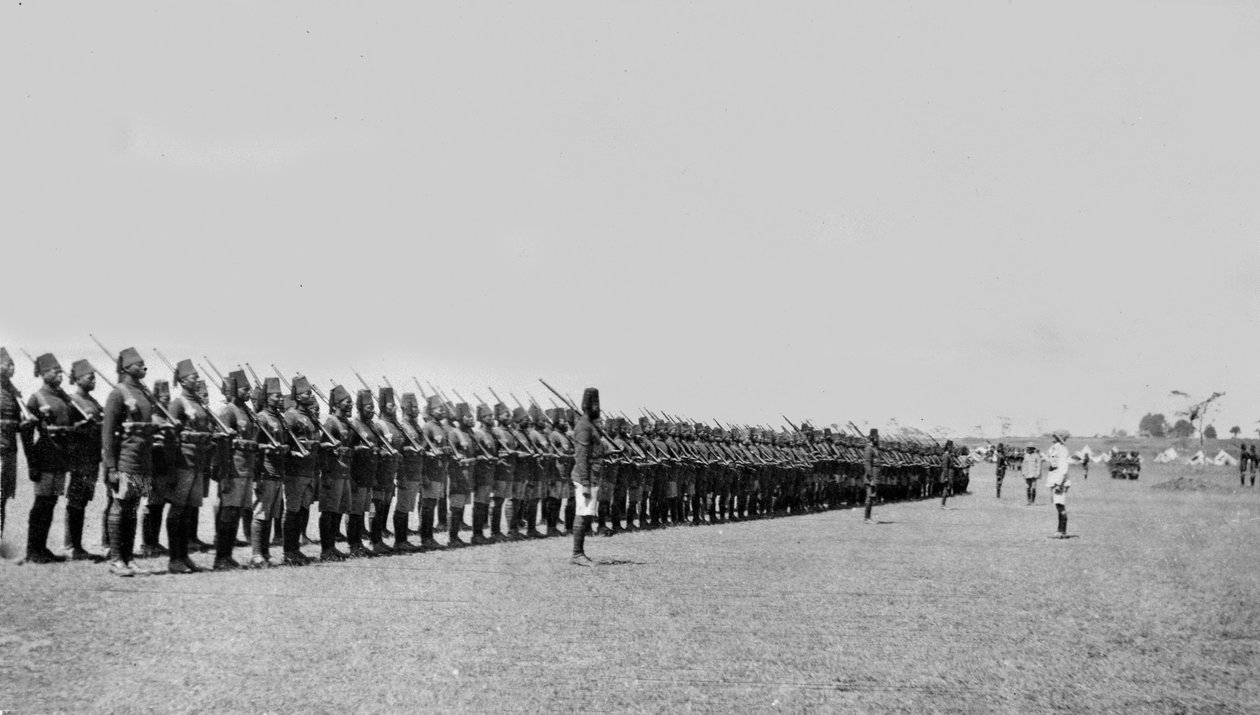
column 1152, row 607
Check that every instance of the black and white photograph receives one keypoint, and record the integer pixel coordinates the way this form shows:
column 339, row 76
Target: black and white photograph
column 611, row 357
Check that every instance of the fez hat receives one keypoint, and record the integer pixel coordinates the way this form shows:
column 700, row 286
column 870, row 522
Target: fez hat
column 590, row 400
column 519, row 413
column 462, row 411
column 435, row 405
column 362, row 398
column 554, row 414
column 236, row 380
column 300, row 384
column 338, row 395
column 408, row 400
column 484, row 413
column 5, row 358
column 184, row 368
column 536, row 414
column 44, row 363
column 161, row 387
column 128, row 357
column 271, row 385
column 80, row 369
column 644, row 423
column 502, row 411
column 384, row 395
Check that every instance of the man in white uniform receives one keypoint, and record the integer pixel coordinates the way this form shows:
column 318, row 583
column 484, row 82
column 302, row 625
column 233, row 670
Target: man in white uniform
column 1058, row 482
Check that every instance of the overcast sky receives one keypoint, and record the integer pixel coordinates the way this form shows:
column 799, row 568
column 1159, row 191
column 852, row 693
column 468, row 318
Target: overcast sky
column 934, row 212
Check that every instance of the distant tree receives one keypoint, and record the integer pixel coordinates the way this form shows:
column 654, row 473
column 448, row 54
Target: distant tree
column 1235, row 431
column 1119, row 433
column 1182, row 430
column 1209, row 432
column 1156, row 425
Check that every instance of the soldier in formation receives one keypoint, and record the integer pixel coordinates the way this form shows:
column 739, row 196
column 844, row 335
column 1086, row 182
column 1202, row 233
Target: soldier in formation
column 528, row 473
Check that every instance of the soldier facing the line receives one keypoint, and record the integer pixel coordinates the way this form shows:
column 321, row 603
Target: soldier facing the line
column 49, row 453
column 86, row 462
column 127, row 430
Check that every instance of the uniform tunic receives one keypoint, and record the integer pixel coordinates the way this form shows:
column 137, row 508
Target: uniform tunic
column 240, row 470
column 10, row 417
column 50, row 450
column 301, row 474
column 86, row 462
column 336, row 489
column 196, row 447
column 127, row 430
column 587, row 450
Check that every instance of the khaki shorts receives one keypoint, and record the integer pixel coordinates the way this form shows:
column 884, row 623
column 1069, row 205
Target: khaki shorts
column 360, row 499
column 50, row 484
column 433, row 490
column 81, row 486
column 187, row 490
column 268, row 502
column 299, row 492
column 234, row 492
column 408, row 493
column 334, row 496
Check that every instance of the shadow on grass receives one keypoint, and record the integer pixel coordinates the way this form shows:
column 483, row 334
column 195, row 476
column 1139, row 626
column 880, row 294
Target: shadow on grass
column 619, row 562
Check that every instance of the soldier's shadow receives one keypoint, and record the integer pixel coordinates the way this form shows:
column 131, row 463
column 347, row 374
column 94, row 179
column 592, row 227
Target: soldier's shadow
column 619, row 562
column 880, row 523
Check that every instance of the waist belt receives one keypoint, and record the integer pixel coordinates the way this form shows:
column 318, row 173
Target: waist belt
column 245, row 445
column 142, row 429
column 196, row 438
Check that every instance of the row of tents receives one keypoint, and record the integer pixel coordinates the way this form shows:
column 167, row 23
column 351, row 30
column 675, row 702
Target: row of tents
column 1222, row 458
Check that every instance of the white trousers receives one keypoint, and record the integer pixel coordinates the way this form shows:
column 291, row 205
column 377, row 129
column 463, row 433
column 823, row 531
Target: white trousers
column 586, row 507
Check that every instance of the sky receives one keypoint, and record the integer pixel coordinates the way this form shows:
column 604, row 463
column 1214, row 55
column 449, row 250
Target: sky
column 938, row 214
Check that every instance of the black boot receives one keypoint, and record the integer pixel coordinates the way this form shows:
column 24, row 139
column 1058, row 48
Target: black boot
column 195, row 543
column 178, row 541
column 75, row 517
column 481, row 512
column 579, row 557
column 442, row 509
column 455, row 516
column 293, row 532
column 151, row 531
column 570, row 514
column 426, row 525
column 354, row 536
column 329, row 523
column 496, row 517
column 225, row 538
column 401, row 529
column 304, row 520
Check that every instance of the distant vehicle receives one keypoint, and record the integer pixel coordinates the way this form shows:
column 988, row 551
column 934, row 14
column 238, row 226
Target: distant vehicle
column 1126, row 465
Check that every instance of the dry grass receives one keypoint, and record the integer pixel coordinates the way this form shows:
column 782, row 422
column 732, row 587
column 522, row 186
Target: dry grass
column 1152, row 608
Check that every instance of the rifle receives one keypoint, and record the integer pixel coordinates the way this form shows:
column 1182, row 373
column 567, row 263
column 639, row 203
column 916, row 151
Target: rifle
column 301, row 450
column 229, row 399
column 414, row 444
column 73, row 404
column 332, row 441
column 143, row 390
column 785, row 419
column 371, row 427
column 420, row 388
column 217, row 421
column 616, row 449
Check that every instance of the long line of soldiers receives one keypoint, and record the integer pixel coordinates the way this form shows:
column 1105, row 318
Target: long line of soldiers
column 378, row 453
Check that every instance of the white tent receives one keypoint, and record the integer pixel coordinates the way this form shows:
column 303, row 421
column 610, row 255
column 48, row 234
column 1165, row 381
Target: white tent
column 1103, row 457
column 1224, row 459
column 1197, row 459
column 1079, row 456
column 1167, row 455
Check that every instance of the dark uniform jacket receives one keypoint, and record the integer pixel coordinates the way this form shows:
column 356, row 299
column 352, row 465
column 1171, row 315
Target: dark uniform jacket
column 87, row 438
column 587, row 449
column 300, row 425
column 127, row 428
column 50, row 449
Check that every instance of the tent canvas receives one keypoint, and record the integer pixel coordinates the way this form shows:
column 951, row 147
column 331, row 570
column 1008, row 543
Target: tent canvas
column 1079, row 456
column 1166, row 456
column 1223, row 459
column 1104, row 457
column 1197, row 459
